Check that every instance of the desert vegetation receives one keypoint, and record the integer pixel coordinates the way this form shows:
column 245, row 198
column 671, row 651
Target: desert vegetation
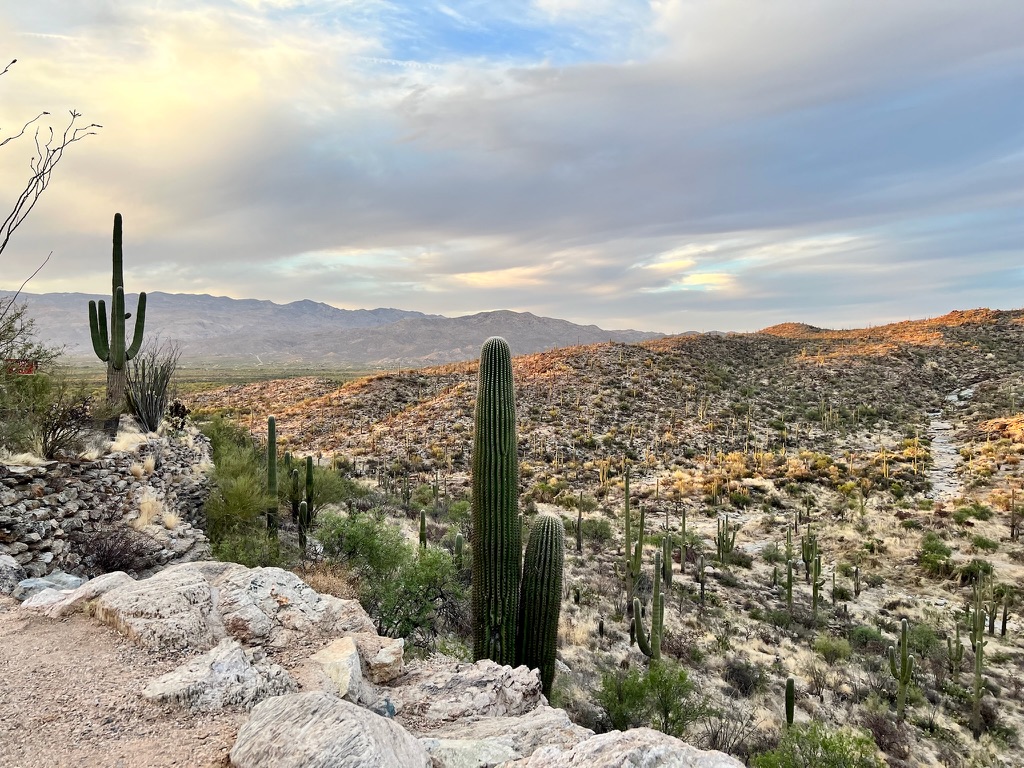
column 739, row 511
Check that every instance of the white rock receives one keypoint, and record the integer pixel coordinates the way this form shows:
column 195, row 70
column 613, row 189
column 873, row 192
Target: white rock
column 466, row 753
column 74, row 600
column 382, row 657
column 639, row 747
column 317, row 730
column 223, row 677
column 340, row 662
column 447, row 691
column 523, row 735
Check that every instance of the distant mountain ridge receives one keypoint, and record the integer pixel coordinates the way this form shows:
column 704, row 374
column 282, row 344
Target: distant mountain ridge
column 252, row 331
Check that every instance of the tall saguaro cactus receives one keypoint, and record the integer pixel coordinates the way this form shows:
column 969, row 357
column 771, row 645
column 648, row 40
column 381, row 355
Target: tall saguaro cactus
column 497, row 537
column 112, row 347
column 540, row 599
column 901, row 669
column 272, row 521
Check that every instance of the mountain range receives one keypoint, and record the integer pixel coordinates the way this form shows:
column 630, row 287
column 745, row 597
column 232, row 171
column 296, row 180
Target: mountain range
column 254, row 332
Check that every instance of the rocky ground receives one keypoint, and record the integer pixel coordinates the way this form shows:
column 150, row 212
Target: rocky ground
column 876, row 437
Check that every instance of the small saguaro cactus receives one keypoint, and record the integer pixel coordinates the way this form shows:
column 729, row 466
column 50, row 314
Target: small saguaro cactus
column 497, row 537
column 666, row 561
column 955, row 655
column 978, row 643
column 790, row 700
column 579, row 525
column 808, row 551
column 650, row 644
column 540, row 599
column 816, row 584
column 633, row 552
column 903, row 670
column 789, row 586
column 856, row 581
column 112, row 348
column 459, row 546
column 272, row 476
column 700, row 577
column 303, row 517
column 725, row 541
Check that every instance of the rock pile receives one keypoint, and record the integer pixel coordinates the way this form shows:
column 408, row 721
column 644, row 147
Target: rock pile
column 325, row 690
column 50, row 514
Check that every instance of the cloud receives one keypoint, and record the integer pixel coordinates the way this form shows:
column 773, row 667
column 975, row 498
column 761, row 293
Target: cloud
column 668, row 166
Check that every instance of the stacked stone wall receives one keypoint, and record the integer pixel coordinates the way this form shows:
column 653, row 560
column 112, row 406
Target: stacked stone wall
column 50, row 514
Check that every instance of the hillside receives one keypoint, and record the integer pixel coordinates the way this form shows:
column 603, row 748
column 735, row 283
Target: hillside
column 874, row 441
column 223, row 331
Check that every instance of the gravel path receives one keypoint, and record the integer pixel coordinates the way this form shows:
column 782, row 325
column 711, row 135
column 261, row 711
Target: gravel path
column 70, row 696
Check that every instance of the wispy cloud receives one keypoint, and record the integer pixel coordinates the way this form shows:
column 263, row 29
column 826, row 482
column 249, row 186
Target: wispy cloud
column 670, row 165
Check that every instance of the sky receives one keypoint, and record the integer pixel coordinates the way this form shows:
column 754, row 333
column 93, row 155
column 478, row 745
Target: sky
column 669, row 165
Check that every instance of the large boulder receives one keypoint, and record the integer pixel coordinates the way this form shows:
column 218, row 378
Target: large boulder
column 382, row 657
column 318, row 730
column 339, row 662
column 58, row 603
column 11, row 573
column 56, row 580
column 517, row 737
column 172, row 610
column 637, row 747
column 446, row 691
column 225, row 676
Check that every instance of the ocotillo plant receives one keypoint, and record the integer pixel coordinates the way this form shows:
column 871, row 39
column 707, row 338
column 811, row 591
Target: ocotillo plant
column 790, row 701
column 112, row 348
column 540, row 599
column 904, row 671
column 978, row 643
column 272, row 475
column 650, row 645
column 955, row 655
column 497, row 537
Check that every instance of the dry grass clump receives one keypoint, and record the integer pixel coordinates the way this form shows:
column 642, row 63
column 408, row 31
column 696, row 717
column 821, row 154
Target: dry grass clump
column 136, row 470
column 328, row 580
column 150, row 507
column 171, row 521
column 149, row 465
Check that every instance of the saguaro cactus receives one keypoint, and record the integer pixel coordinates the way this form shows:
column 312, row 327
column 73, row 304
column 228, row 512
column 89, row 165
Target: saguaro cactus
column 790, row 700
column 632, row 562
column 725, row 541
column 978, row 643
column 272, row 475
column 111, row 348
column 650, row 644
column 540, row 599
column 905, row 669
column 955, row 655
column 497, row 537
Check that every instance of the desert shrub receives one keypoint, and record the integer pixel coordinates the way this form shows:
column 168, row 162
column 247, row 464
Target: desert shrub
column 661, row 696
column 744, row 676
column 813, row 745
column 970, row 572
column 832, row 649
column 253, row 548
column 741, row 558
column 42, row 413
column 986, row 544
column 923, row 640
column 238, row 496
column 597, row 530
column 772, row 554
column 372, row 548
column 934, row 555
column 148, row 383
column 118, row 549
column 866, row 638
column 728, row 726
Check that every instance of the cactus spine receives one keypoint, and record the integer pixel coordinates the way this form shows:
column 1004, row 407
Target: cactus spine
column 497, row 537
column 272, row 475
column 905, row 671
column 110, row 348
column 540, row 599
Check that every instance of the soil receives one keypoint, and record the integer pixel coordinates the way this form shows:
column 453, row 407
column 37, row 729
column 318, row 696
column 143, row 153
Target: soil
column 70, row 695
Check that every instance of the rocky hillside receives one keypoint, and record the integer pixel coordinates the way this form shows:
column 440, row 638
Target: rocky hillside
column 896, row 449
column 253, row 333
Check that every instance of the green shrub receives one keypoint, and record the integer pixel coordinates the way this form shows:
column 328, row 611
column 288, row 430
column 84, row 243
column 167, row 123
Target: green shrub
column 745, row 676
column 253, row 548
column 973, row 570
column 661, row 696
column 867, row 638
column 597, row 530
column 981, row 542
column 976, row 510
column 238, row 496
column 833, row 649
column 812, row 745
column 934, row 556
column 372, row 548
column 772, row 554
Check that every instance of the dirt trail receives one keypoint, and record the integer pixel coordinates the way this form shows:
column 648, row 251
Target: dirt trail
column 70, row 696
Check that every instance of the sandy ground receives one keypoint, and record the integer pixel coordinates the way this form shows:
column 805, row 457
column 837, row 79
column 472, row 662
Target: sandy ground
column 70, row 695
